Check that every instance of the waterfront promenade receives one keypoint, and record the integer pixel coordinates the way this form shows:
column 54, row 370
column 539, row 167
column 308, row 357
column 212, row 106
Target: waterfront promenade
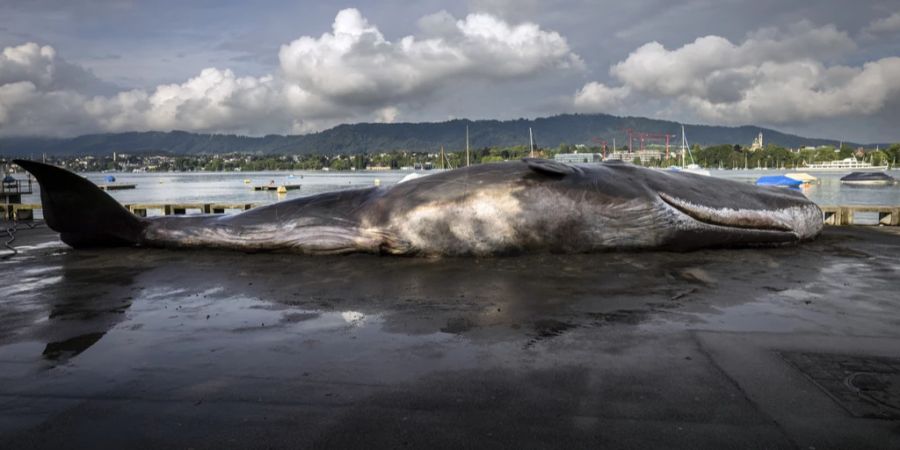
column 795, row 347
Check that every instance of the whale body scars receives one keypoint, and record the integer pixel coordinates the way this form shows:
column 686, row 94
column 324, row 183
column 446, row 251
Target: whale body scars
column 506, row 208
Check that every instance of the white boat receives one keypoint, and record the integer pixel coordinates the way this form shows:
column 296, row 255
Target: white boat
column 692, row 167
column 844, row 165
column 804, row 178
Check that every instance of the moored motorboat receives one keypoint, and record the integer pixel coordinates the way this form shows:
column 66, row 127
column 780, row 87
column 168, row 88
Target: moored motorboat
column 778, row 180
column 868, row 179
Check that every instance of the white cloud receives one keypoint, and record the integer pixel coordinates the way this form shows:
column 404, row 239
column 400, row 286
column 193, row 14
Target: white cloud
column 28, row 62
column 349, row 74
column 213, row 100
column 388, row 114
column 772, row 77
column 799, row 92
column 41, row 66
column 889, row 24
column 355, row 65
column 707, row 62
column 596, row 96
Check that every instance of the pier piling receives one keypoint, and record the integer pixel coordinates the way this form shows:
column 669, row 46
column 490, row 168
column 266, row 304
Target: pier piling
column 844, row 215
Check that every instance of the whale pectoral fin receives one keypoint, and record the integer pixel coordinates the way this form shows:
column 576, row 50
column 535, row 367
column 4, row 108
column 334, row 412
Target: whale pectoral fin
column 551, row 168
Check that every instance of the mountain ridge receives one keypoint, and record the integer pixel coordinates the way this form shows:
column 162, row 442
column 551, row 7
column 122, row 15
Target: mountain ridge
column 412, row 136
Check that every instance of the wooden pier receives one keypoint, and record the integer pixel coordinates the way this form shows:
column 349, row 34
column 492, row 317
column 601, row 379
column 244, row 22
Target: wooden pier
column 12, row 190
column 276, row 187
column 116, row 186
column 843, row 215
column 25, row 211
column 19, row 211
column 169, row 209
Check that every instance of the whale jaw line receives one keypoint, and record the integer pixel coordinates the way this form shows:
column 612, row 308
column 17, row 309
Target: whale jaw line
column 783, row 220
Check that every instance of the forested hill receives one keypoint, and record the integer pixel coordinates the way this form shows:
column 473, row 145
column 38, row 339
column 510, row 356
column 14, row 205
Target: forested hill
column 377, row 137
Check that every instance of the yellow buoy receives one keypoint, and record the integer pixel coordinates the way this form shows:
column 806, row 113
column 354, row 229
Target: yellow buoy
column 247, row 181
column 377, row 182
column 282, row 190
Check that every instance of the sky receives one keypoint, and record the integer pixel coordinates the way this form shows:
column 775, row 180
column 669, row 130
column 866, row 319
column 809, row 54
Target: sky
column 817, row 68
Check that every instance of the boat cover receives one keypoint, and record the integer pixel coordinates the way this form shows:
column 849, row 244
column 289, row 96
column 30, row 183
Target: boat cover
column 778, row 180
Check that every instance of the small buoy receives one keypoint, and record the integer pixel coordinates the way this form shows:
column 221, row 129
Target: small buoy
column 377, row 182
column 282, row 190
column 247, row 181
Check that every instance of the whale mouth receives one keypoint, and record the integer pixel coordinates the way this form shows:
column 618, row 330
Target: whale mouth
column 746, row 219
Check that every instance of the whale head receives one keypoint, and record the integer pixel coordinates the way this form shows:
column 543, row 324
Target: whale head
column 686, row 211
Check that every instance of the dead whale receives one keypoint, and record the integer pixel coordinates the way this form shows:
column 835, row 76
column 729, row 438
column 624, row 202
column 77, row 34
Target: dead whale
column 506, row 208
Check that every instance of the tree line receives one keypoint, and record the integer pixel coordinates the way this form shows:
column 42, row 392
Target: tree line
column 715, row 156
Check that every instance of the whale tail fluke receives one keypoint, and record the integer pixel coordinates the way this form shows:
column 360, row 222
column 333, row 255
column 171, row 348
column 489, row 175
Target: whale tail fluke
column 81, row 212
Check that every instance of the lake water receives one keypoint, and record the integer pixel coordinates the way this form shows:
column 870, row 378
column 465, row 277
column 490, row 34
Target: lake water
column 231, row 187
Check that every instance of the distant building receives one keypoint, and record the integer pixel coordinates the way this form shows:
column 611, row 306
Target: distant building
column 757, row 143
column 646, row 156
column 578, row 158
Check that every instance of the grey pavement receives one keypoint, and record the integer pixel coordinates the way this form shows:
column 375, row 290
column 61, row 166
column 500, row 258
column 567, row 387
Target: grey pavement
column 795, row 347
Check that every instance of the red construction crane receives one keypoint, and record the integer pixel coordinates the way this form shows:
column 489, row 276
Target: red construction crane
column 602, row 144
column 643, row 135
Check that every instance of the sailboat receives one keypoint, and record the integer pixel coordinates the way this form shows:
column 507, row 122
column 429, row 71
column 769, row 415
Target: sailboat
column 686, row 150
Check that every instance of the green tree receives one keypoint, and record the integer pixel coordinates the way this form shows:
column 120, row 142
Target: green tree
column 340, row 164
column 893, row 154
column 878, row 157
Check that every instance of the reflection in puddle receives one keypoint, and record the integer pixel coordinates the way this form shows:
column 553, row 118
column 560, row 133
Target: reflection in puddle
column 41, row 270
column 353, row 317
column 63, row 351
column 28, row 284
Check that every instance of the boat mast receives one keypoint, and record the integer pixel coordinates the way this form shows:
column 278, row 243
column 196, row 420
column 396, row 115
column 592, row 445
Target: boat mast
column 531, row 141
column 685, row 146
column 467, row 146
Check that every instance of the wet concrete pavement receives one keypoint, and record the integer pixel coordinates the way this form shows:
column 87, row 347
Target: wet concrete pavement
column 793, row 347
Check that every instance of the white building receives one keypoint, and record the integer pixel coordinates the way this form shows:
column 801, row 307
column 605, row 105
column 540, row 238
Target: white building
column 578, row 158
column 757, row 143
column 644, row 155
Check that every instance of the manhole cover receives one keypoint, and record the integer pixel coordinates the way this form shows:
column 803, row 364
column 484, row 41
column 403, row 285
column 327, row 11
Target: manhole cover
column 866, row 386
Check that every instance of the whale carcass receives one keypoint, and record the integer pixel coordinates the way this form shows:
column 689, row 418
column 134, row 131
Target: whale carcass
column 530, row 205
